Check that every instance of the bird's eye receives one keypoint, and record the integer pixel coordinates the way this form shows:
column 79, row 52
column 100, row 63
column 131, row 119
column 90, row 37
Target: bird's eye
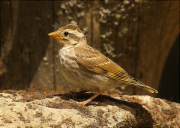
column 66, row 33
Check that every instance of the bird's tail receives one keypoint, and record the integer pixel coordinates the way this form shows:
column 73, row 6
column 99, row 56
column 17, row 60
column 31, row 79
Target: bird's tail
column 151, row 90
column 140, row 84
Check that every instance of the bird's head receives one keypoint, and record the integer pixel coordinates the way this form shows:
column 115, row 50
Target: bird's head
column 69, row 35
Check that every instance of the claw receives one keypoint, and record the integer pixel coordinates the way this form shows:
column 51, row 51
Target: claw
column 80, row 103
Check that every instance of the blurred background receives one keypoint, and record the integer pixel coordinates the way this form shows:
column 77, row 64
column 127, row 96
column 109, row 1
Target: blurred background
column 141, row 36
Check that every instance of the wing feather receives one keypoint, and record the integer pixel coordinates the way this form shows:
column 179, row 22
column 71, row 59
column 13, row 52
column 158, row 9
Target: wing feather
column 94, row 61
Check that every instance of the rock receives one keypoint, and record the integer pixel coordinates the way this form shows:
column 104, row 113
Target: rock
column 35, row 109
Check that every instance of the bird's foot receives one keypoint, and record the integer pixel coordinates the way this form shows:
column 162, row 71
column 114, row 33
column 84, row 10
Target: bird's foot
column 80, row 103
column 83, row 103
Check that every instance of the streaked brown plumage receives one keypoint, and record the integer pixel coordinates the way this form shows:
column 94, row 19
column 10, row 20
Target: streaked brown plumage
column 87, row 68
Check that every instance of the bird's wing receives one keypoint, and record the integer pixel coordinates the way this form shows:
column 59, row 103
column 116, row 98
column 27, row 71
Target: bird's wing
column 94, row 61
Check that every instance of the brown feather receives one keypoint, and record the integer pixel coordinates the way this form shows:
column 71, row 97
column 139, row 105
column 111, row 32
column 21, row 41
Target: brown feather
column 94, row 61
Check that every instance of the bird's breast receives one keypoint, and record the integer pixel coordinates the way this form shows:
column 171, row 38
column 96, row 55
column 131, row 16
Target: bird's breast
column 68, row 58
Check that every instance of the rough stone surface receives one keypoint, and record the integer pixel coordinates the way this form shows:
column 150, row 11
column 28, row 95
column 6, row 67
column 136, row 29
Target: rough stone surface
column 22, row 109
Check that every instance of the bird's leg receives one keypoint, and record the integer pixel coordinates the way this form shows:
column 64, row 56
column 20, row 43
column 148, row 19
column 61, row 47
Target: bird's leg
column 90, row 99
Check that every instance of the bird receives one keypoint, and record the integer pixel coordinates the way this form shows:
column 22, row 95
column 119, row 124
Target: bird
column 87, row 68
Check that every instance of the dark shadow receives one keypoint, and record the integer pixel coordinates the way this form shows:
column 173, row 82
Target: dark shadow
column 169, row 85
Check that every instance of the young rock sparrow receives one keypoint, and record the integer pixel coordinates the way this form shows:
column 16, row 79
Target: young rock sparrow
column 87, row 68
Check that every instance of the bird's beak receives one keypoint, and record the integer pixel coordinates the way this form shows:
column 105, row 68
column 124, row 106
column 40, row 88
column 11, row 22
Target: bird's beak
column 55, row 35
